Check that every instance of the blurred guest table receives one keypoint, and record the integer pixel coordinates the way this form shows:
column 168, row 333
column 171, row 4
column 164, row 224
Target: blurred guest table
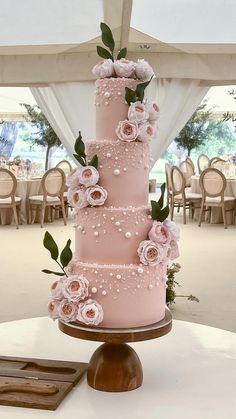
column 216, row 216
column 189, row 373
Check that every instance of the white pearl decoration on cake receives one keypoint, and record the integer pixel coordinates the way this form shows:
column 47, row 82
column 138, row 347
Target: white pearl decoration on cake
column 108, row 155
column 96, row 233
column 150, row 286
column 116, row 172
column 117, row 223
column 107, row 94
column 136, row 233
column 94, row 290
column 125, row 170
column 140, row 270
column 128, row 234
column 118, row 276
column 119, row 229
column 111, row 274
column 104, row 292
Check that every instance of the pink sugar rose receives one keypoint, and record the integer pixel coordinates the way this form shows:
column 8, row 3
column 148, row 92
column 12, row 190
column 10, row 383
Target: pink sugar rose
column 72, row 179
column 151, row 253
column 173, row 229
column 124, row 68
column 143, row 70
column 53, row 309
column 75, row 288
column 159, row 233
column 77, row 198
column 137, row 112
column 153, row 111
column 96, row 195
column 173, row 251
column 56, row 289
column 67, row 310
column 88, row 176
column 90, row 312
column 127, row 130
column 145, row 132
column 104, row 69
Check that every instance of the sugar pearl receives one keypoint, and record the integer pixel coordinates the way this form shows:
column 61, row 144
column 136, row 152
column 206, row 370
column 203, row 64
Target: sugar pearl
column 136, row 233
column 93, row 226
column 79, row 227
column 108, row 155
column 136, row 222
column 119, row 93
column 101, row 166
column 128, row 235
column 149, row 217
column 112, row 218
column 117, row 290
column 83, row 231
column 107, row 94
column 96, row 272
column 133, row 273
column 138, row 286
column 95, row 233
column 117, row 223
column 94, row 290
column 116, row 158
column 125, row 170
column 111, row 274
column 106, row 103
column 140, row 270
column 150, row 286
column 119, row 229
column 100, row 286
column 116, row 172
column 98, row 225
column 104, row 292
column 118, row 276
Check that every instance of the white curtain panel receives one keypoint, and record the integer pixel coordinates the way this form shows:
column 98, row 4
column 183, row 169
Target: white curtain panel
column 69, row 108
column 177, row 99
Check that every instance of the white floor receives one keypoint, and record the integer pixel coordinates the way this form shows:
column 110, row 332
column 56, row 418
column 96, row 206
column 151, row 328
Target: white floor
column 208, row 260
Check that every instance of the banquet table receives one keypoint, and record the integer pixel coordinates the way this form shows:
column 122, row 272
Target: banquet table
column 216, row 216
column 189, row 373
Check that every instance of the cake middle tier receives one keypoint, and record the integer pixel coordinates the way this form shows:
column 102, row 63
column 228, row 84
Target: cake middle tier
column 124, row 170
column 111, row 235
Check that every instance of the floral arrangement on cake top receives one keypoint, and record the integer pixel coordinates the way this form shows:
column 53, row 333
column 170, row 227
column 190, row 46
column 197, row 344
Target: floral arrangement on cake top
column 162, row 242
column 83, row 189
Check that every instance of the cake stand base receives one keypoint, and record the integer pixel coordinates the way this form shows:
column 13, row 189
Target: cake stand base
column 115, row 366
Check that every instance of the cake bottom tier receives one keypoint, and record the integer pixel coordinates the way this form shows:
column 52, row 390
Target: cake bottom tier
column 130, row 295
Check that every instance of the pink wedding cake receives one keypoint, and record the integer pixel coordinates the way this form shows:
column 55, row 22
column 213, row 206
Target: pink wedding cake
column 117, row 276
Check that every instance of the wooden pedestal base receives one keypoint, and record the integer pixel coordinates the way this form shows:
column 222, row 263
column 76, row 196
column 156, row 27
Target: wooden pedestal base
column 115, row 367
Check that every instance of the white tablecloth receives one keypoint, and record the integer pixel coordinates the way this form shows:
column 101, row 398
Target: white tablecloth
column 216, row 213
column 189, row 373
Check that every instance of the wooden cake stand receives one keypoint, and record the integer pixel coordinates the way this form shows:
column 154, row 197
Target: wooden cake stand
column 115, row 366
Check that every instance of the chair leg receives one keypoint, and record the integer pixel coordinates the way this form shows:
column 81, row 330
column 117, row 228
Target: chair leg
column 15, row 216
column 178, row 208
column 42, row 214
column 63, row 211
column 172, row 208
column 184, row 211
column 201, row 212
column 224, row 216
column 33, row 213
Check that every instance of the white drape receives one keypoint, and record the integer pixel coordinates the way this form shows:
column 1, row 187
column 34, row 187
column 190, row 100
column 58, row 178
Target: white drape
column 69, row 107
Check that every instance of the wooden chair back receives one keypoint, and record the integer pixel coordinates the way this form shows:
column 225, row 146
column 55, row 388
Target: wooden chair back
column 188, row 170
column 8, row 184
column 65, row 166
column 203, row 162
column 177, row 181
column 215, row 160
column 189, row 160
column 212, row 183
column 53, row 182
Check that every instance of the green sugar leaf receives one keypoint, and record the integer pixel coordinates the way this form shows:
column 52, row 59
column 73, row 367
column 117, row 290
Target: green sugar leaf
column 94, row 161
column 107, row 37
column 163, row 214
column 50, row 244
column 104, row 53
column 161, row 199
column 66, row 254
column 122, row 53
column 140, row 88
column 130, row 95
column 80, row 160
column 46, row 271
column 79, row 146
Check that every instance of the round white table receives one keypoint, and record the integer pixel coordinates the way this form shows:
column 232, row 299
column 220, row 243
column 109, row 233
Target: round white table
column 189, row 373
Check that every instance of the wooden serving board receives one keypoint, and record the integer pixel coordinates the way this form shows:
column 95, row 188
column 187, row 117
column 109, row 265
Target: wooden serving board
column 37, row 383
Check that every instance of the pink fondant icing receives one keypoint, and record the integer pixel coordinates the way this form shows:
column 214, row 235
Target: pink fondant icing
column 128, row 186
column 101, row 234
column 130, row 295
column 111, row 107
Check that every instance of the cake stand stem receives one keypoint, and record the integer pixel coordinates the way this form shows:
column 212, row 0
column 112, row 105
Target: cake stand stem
column 115, row 367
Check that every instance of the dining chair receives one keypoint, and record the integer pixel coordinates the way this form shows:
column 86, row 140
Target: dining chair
column 202, row 162
column 53, row 186
column 188, row 170
column 212, row 184
column 215, row 160
column 180, row 197
column 188, row 159
column 8, row 198
column 65, row 166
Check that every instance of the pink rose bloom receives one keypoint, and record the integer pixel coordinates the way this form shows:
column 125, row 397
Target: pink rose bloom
column 56, row 290
column 53, row 309
column 72, row 179
column 173, row 251
column 96, row 195
column 159, row 233
column 145, row 132
column 137, row 112
column 77, row 198
column 127, row 131
column 151, row 253
column 90, row 312
column 124, row 68
column 143, row 70
column 67, row 311
column 103, row 69
column 173, row 229
column 88, row 176
column 153, row 111
column 75, row 288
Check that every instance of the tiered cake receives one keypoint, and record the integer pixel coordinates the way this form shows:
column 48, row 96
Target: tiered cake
column 117, row 277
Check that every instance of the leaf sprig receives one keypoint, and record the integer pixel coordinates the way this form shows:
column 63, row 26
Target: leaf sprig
column 158, row 212
column 65, row 256
column 108, row 41
column 80, row 155
column 132, row 96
